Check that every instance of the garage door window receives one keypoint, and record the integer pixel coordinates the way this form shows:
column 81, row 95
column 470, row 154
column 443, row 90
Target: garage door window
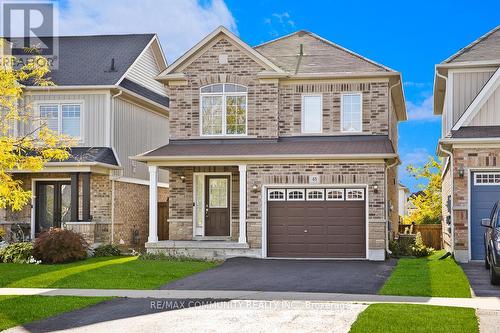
column 487, row 178
column 355, row 194
column 315, row 195
column 295, row 195
column 276, row 195
column 335, row 194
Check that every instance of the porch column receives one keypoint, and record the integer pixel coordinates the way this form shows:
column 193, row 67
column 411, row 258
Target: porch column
column 243, row 203
column 153, row 204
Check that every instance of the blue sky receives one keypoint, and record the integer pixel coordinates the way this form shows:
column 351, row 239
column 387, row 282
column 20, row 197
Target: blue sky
column 410, row 37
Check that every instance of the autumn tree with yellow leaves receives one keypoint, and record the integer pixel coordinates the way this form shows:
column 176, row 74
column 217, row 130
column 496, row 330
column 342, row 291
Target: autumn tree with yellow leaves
column 428, row 202
column 29, row 150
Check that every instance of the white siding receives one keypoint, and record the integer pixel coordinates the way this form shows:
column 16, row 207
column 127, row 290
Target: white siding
column 466, row 86
column 137, row 130
column 95, row 114
column 144, row 71
column 489, row 114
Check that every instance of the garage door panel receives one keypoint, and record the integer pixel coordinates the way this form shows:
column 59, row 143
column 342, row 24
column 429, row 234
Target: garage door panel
column 335, row 229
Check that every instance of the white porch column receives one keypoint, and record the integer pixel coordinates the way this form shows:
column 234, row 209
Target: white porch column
column 243, row 203
column 153, row 204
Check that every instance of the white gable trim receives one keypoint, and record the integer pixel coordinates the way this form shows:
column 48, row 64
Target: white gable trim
column 479, row 101
column 127, row 72
column 220, row 30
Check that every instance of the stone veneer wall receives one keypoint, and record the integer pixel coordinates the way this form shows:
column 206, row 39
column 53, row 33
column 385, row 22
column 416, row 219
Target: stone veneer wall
column 181, row 199
column 467, row 158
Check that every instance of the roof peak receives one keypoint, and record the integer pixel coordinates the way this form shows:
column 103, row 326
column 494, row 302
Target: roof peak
column 471, row 45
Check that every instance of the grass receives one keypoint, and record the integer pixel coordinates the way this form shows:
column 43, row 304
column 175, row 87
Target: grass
column 427, row 277
column 100, row 273
column 412, row 318
column 18, row 310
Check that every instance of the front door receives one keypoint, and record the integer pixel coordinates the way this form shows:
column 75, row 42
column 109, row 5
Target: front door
column 52, row 204
column 217, row 207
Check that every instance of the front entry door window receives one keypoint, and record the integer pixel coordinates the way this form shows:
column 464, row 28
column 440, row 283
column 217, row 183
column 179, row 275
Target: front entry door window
column 217, row 210
column 53, row 204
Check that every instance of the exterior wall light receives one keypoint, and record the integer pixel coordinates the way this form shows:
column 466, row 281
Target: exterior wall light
column 183, row 178
column 461, row 172
column 255, row 188
column 375, row 188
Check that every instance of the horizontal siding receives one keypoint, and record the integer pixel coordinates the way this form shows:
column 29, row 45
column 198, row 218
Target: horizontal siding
column 137, row 130
column 489, row 114
column 144, row 72
column 466, row 86
column 95, row 115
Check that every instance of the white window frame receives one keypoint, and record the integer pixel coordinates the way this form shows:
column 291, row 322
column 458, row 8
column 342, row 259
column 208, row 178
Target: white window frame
column 350, row 190
column 303, row 113
column 59, row 105
column 360, row 94
column 280, row 190
column 494, row 174
column 338, row 190
column 312, row 190
column 223, row 95
column 300, row 190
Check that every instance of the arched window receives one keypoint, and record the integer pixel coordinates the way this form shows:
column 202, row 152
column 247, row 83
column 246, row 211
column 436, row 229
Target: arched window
column 223, row 109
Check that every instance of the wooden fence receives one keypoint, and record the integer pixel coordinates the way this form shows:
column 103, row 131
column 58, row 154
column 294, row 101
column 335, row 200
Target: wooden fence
column 431, row 233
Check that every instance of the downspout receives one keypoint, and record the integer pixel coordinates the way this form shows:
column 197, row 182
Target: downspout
column 386, row 197
column 111, row 141
column 452, row 224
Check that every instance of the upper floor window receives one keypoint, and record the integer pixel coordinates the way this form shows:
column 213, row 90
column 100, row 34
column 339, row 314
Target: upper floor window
column 223, row 109
column 62, row 118
column 312, row 114
column 351, row 112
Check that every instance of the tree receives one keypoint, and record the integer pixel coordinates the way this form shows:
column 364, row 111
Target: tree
column 33, row 148
column 428, row 202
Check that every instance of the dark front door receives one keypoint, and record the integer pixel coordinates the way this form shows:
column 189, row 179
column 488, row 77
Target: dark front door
column 52, row 204
column 217, row 208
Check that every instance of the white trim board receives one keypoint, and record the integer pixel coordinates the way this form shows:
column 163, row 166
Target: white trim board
column 478, row 102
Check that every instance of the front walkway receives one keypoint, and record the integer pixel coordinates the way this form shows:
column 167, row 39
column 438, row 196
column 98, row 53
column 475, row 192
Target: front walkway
column 486, row 303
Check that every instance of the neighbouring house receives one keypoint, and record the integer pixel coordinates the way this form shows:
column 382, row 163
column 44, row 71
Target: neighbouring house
column 403, row 196
column 287, row 149
column 106, row 95
column 467, row 96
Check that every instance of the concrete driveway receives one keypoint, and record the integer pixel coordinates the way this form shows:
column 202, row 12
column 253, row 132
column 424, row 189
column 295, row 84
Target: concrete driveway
column 170, row 315
column 479, row 280
column 327, row 276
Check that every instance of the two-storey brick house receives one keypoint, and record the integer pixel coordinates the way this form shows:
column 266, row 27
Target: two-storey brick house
column 467, row 96
column 287, row 149
column 105, row 96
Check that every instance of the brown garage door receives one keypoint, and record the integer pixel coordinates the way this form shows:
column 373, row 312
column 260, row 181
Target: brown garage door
column 316, row 223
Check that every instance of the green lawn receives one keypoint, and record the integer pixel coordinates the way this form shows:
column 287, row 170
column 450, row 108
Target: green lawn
column 411, row 318
column 17, row 310
column 100, row 273
column 427, row 277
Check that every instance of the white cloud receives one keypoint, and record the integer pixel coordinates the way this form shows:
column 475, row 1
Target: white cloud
column 179, row 24
column 279, row 23
column 422, row 111
column 416, row 156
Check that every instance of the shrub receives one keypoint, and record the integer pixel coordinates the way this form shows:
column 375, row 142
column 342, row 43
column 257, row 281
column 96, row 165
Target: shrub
column 419, row 249
column 409, row 245
column 2, row 233
column 107, row 250
column 19, row 253
column 59, row 245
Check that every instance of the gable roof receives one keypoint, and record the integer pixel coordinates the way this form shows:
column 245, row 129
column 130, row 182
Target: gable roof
column 486, row 47
column 86, row 60
column 304, row 52
column 214, row 34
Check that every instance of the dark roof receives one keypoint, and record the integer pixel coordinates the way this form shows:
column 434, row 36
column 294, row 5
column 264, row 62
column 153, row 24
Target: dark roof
column 140, row 90
column 86, row 60
column 332, row 145
column 486, row 47
column 93, row 154
column 476, row 132
column 319, row 55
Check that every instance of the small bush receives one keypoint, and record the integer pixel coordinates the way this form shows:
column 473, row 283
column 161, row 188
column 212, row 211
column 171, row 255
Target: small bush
column 408, row 245
column 19, row 253
column 107, row 250
column 419, row 249
column 59, row 245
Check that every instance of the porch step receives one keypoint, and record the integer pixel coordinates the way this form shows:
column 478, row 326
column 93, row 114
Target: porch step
column 203, row 249
column 202, row 244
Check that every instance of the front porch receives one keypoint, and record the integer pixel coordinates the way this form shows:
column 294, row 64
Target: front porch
column 206, row 219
